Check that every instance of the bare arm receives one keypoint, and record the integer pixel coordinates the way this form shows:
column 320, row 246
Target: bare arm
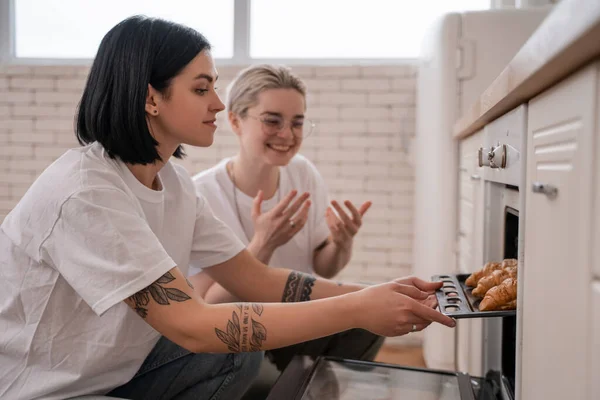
column 250, row 280
column 211, row 291
column 171, row 306
column 331, row 258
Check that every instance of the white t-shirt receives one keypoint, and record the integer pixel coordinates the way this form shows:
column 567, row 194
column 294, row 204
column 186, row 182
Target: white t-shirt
column 86, row 236
column 300, row 174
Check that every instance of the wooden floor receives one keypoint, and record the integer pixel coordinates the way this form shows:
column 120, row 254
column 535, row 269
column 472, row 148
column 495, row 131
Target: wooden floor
column 409, row 356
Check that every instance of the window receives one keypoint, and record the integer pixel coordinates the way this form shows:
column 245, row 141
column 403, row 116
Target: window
column 240, row 31
column 73, row 29
column 379, row 29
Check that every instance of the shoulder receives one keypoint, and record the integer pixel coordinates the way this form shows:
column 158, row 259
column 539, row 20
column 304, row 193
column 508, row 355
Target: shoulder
column 76, row 178
column 213, row 183
column 80, row 170
column 211, row 175
column 302, row 170
column 301, row 164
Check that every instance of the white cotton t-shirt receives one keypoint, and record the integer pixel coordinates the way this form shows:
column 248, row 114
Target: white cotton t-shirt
column 86, row 236
column 300, row 174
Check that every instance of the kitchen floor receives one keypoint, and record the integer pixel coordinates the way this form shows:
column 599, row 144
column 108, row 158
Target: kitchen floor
column 401, row 355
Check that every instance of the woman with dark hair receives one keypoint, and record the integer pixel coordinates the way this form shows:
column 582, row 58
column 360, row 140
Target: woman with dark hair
column 93, row 258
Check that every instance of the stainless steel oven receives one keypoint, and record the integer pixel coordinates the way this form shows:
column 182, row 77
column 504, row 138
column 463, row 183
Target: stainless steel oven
column 502, row 160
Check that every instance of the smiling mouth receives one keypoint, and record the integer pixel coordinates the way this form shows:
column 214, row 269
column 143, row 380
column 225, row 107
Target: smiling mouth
column 279, row 147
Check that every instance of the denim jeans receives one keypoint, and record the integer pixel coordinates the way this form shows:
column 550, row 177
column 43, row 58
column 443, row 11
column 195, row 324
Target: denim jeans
column 354, row 344
column 172, row 372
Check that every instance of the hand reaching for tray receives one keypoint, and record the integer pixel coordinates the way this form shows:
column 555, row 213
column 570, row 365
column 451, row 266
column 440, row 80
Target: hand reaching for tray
column 398, row 307
column 424, row 286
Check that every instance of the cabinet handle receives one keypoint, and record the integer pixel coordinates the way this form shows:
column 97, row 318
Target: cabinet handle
column 549, row 190
column 475, row 177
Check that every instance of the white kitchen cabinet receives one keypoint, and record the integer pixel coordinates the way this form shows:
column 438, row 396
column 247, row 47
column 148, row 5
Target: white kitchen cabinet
column 470, row 248
column 562, row 124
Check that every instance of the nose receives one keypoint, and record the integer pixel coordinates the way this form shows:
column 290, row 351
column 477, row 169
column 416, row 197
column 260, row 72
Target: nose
column 286, row 131
column 217, row 105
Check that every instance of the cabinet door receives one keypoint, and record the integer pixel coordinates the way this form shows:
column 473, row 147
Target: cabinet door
column 557, row 268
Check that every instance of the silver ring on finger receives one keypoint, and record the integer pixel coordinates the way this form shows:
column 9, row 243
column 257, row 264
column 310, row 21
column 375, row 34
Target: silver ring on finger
column 414, row 328
column 292, row 223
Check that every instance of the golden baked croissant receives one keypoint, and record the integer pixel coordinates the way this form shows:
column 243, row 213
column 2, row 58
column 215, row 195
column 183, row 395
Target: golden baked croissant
column 510, row 263
column 495, row 278
column 474, row 278
column 511, row 305
column 500, row 296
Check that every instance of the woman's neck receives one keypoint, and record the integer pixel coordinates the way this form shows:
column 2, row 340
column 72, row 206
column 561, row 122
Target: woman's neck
column 147, row 174
column 251, row 176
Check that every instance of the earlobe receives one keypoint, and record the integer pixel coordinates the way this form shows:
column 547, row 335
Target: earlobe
column 151, row 106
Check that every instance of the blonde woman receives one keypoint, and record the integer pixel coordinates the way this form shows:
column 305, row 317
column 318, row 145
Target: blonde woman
column 276, row 201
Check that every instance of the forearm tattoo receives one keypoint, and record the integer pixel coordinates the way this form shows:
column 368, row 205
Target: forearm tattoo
column 160, row 294
column 298, row 287
column 244, row 333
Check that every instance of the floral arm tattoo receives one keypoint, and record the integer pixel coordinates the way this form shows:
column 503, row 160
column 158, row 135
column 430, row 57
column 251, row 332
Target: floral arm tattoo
column 159, row 293
column 243, row 332
column 298, row 287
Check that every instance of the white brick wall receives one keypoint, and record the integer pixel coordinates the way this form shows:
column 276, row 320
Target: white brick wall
column 364, row 115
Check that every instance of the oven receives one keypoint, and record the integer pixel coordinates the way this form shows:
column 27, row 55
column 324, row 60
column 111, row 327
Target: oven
column 502, row 171
column 502, row 162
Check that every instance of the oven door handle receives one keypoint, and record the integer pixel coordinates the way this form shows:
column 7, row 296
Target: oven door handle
column 550, row 191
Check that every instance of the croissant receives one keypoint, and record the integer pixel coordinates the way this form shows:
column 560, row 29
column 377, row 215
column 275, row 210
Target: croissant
column 501, row 296
column 510, row 263
column 511, row 305
column 495, row 278
column 474, row 278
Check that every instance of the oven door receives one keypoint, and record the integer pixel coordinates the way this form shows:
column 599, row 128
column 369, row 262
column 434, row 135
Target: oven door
column 332, row 378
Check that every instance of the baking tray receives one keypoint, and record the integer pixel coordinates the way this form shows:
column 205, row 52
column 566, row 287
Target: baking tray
column 456, row 300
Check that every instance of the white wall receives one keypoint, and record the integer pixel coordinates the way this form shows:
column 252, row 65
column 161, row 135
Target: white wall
column 365, row 118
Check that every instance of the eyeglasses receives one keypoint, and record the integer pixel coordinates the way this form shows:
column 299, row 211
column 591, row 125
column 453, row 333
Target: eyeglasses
column 272, row 125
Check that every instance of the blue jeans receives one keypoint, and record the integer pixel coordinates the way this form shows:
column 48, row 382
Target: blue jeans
column 171, row 372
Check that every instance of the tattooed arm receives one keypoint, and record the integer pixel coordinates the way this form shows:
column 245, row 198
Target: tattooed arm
column 248, row 279
column 171, row 306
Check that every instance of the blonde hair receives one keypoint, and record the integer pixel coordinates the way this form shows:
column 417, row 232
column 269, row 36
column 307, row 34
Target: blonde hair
column 249, row 83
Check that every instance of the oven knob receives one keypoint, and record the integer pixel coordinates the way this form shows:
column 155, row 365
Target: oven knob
column 497, row 157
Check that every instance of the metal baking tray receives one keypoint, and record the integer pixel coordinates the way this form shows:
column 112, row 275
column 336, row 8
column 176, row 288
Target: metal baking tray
column 456, row 300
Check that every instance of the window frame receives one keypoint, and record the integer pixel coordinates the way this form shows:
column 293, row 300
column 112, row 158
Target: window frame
column 241, row 45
